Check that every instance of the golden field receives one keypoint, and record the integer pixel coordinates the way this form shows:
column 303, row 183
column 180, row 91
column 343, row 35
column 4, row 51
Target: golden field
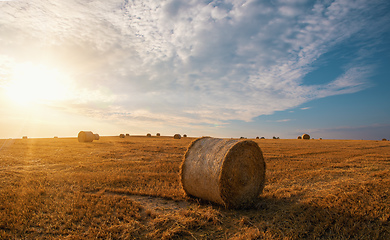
column 129, row 188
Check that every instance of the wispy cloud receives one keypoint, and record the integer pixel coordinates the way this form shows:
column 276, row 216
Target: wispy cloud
column 284, row 120
column 190, row 62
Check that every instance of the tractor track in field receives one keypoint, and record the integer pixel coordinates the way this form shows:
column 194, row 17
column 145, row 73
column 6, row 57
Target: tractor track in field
column 154, row 204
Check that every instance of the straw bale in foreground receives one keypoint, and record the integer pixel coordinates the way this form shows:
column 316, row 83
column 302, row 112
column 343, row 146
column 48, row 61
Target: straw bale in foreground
column 85, row 136
column 227, row 172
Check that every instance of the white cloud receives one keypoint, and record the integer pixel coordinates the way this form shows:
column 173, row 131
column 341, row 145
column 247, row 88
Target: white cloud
column 189, row 61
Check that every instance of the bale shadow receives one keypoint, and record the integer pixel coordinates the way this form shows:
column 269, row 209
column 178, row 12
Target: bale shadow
column 290, row 218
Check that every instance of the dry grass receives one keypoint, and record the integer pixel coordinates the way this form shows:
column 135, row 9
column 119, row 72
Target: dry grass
column 60, row 188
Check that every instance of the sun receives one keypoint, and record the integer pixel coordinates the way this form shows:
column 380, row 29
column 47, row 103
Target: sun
column 31, row 84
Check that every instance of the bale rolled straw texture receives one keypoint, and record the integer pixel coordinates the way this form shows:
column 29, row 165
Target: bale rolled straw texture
column 305, row 136
column 85, row 136
column 177, row 136
column 228, row 172
column 96, row 136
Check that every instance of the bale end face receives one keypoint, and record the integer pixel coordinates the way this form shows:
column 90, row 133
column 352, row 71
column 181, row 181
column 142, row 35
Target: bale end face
column 306, row 136
column 243, row 175
column 96, row 136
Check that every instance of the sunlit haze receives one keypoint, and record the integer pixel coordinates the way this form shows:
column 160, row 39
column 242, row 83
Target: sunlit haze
column 227, row 68
column 31, row 84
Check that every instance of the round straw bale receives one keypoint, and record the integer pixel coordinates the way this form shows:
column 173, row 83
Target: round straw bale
column 122, row 135
column 305, row 136
column 158, row 134
column 185, row 135
column 299, row 137
column 86, row 136
column 257, row 138
column 384, row 139
column 148, row 135
column 177, row 136
column 96, row 136
column 228, row 172
column 127, row 135
column 24, row 137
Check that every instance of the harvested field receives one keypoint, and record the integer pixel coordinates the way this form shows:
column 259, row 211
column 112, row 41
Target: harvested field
column 129, row 188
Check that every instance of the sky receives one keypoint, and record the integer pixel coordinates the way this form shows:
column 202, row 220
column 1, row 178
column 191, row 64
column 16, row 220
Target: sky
column 222, row 68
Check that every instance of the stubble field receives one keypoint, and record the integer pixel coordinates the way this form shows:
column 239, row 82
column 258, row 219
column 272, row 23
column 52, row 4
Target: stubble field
column 129, row 188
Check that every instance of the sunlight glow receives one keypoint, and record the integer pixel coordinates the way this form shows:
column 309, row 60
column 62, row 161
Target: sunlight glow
column 37, row 84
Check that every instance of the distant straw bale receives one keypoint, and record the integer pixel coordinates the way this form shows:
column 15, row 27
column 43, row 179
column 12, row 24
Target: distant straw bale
column 24, row 137
column 85, row 136
column 185, row 135
column 55, row 137
column 257, row 138
column 228, row 172
column 148, row 135
column 158, row 134
column 306, row 136
column 177, row 136
column 122, row 135
column 96, row 136
column 127, row 135
column 299, row 137
column 384, row 139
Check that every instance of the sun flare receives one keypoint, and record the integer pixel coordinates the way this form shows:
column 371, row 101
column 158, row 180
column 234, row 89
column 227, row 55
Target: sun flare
column 36, row 84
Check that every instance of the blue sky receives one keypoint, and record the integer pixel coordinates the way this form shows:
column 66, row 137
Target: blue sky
column 222, row 68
